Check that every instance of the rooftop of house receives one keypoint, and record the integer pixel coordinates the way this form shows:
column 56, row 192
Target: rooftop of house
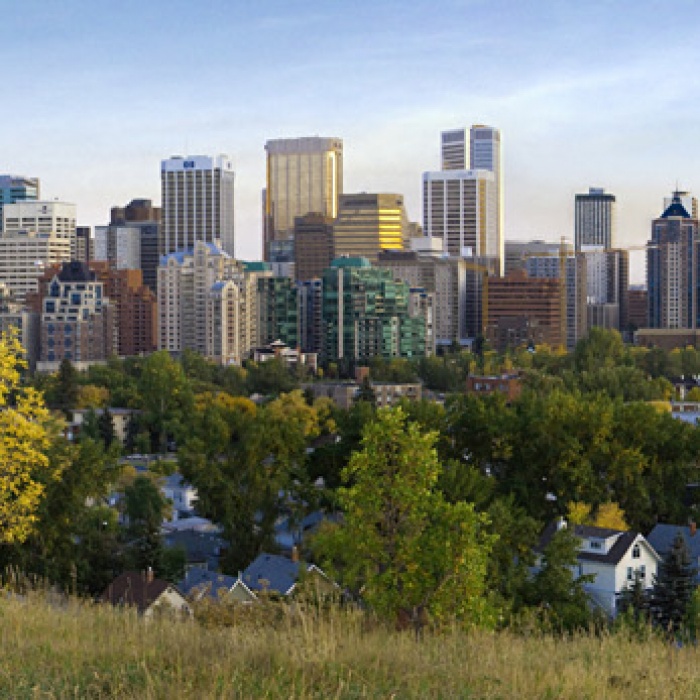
column 662, row 536
column 134, row 588
column 273, row 573
column 206, row 583
column 620, row 541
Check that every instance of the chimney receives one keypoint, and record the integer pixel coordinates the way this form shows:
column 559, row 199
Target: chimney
column 693, row 528
column 295, row 553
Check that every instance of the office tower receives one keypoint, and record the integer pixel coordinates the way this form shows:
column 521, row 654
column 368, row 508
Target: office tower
column 77, row 320
column 690, row 203
column 607, row 280
column 421, row 305
column 594, row 220
column 369, row 223
column 453, row 149
column 136, row 211
column 518, row 252
column 366, row 314
column 443, row 276
column 197, row 202
column 637, row 308
column 460, row 207
column 278, row 311
column 44, row 218
column 303, row 175
column 565, row 263
column 524, row 310
column 83, row 244
column 672, row 268
column 24, row 256
column 15, row 188
column 313, row 245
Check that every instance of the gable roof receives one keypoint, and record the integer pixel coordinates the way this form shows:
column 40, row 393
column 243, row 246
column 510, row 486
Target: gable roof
column 273, row 573
column 206, row 583
column 585, row 532
column 134, row 588
column 662, row 536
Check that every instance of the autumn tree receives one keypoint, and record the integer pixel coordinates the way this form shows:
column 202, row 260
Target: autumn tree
column 24, row 440
column 400, row 544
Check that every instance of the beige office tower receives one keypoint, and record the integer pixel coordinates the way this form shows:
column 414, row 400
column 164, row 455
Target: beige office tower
column 197, row 202
column 370, row 223
column 57, row 219
column 303, row 175
column 460, row 207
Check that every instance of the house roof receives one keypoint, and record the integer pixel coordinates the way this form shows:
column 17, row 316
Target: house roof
column 207, row 583
column 585, row 532
column 662, row 536
column 134, row 588
column 272, row 572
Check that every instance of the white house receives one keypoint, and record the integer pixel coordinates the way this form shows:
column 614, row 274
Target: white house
column 614, row 557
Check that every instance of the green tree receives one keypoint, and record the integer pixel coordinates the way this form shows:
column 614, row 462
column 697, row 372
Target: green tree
column 105, row 424
column 400, row 542
column 67, row 387
column 673, row 588
column 166, row 396
column 556, row 591
column 366, row 393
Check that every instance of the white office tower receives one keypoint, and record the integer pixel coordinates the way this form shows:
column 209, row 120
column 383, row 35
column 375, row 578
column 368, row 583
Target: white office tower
column 594, row 220
column 120, row 245
column 197, row 202
column 460, row 207
column 453, row 148
column 55, row 218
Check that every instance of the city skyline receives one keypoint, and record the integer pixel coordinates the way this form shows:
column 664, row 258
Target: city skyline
column 106, row 94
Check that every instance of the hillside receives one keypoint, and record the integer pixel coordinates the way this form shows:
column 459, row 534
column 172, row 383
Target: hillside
column 81, row 651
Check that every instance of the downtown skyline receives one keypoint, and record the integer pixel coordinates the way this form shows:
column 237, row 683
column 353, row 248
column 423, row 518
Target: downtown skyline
column 98, row 96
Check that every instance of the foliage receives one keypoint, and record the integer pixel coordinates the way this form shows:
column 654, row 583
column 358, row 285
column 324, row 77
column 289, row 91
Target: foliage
column 674, row 584
column 24, row 439
column 400, row 542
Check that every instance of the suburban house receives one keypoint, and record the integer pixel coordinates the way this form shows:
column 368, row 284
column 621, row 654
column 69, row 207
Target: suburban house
column 614, row 557
column 280, row 575
column 202, row 549
column 182, row 495
column 662, row 536
column 199, row 584
column 149, row 595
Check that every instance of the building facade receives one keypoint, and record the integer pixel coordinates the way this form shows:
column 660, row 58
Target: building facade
column 594, row 220
column 313, row 245
column 197, row 202
column 672, row 268
column 14, row 188
column 369, row 223
column 303, row 175
column 366, row 314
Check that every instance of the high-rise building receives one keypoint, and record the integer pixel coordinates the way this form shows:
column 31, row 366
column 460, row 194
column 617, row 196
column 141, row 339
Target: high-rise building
column 24, row 256
column 313, row 245
column 594, row 220
column 366, row 314
column 572, row 268
column 83, row 244
column 673, row 259
column 303, row 175
column 197, row 202
column 46, row 218
column 15, row 188
column 278, row 311
column 310, row 296
column 453, row 150
column 443, row 276
column 461, row 208
column 518, row 252
column 524, row 310
column 369, row 223
column 77, row 320
column 22, row 321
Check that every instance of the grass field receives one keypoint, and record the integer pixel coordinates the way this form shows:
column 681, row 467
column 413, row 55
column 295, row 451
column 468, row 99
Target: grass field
column 83, row 651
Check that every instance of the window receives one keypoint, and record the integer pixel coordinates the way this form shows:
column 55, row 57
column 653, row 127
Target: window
column 630, row 573
column 596, row 544
column 636, row 552
column 642, row 571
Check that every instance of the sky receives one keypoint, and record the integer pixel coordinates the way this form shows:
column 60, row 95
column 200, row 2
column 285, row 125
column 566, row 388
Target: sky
column 600, row 93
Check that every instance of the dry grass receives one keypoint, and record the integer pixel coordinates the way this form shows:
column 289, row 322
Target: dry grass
column 83, row 651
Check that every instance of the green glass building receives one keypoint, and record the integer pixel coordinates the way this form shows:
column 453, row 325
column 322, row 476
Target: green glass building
column 366, row 314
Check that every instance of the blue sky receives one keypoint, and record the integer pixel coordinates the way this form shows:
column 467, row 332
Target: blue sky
column 595, row 93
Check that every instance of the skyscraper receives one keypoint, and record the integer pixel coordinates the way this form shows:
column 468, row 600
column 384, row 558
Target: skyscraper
column 594, row 220
column 368, row 223
column 198, row 202
column 17, row 189
column 672, row 268
column 303, row 175
column 463, row 202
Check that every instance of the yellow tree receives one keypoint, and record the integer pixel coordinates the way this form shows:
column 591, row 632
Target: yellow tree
column 24, row 439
